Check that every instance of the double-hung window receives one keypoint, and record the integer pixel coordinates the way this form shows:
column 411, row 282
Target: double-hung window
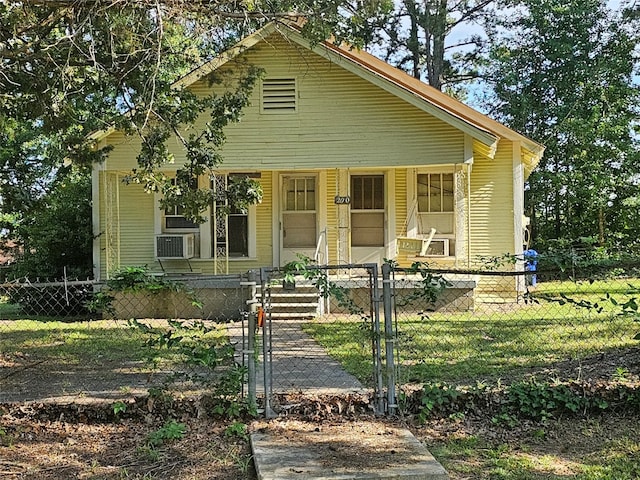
column 436, row 209
column 174, row 219
column 231, row 230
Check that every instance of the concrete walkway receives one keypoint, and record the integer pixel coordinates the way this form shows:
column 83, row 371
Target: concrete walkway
column 278, row 459
column 300, row 364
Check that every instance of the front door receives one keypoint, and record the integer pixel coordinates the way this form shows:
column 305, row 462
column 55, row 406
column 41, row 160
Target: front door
column 299, row 216
column 367, row 219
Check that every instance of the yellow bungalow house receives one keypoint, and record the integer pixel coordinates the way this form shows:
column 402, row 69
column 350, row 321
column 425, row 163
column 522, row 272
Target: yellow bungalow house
column 358, row 162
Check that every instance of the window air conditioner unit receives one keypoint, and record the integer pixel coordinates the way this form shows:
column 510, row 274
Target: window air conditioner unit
column 438, row 247
column 175, row 246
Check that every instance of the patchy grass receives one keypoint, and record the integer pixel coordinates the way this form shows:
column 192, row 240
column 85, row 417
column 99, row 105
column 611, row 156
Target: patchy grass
column 86, row 343
column 73, row 342
column 37, row 446
column 599, row 448
column 495, row 340
column 612, row 287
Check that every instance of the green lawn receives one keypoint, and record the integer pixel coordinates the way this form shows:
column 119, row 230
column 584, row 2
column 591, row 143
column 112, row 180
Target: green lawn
column 90, row 343
column 495, row 340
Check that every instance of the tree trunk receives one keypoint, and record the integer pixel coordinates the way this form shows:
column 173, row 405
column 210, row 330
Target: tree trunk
column 413, row 42
column 601, row 226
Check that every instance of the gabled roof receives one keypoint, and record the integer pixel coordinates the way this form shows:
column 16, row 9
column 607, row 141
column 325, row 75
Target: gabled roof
column 479, row 126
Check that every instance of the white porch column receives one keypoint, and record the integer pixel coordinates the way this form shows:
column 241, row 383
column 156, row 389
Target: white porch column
column 344, row 222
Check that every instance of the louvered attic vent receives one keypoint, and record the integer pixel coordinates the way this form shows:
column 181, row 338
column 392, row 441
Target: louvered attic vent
column 279, row 95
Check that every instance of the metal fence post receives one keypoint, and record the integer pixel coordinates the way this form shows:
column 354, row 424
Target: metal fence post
column 377, row 336
column 250, row 353
column 389, row 339
column 266, row 346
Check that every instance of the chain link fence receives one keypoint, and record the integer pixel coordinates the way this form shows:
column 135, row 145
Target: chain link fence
column 330, row 330
column 320, row 332
column 471, row 326
column 81, row 341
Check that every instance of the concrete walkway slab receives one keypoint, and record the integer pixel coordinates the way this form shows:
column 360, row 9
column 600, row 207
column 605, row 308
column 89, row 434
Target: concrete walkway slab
column 321, row 456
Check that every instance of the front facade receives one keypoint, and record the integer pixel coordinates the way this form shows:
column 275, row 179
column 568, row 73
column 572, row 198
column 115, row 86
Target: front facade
column 358, row 163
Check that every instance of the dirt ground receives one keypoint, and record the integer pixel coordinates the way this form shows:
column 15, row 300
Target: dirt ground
column 44, row 441
column 32, row 448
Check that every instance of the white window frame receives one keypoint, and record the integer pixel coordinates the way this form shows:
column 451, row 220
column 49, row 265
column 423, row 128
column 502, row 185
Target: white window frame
column 417, row 226
column 251, row 228
column 166, row 229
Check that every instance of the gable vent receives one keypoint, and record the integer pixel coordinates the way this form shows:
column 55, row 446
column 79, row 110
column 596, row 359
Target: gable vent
column 279, row 95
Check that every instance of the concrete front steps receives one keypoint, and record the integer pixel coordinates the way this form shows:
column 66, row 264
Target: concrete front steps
column 282, row 301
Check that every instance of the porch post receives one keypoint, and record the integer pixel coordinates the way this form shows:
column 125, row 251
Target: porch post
column 342, row 190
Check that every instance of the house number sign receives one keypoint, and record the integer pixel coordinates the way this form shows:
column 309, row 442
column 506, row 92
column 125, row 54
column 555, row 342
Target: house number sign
column 338, row 200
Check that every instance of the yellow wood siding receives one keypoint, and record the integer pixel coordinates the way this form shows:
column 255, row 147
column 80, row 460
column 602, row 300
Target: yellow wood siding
column 400, row 202
column 136, row 226
column 492, row 204
column 340, row 120
column 400, row 227
column 264, row 227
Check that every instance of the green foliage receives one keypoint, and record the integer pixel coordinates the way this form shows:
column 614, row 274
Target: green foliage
column 136, row 280
column 307, row 269
column 70, row 70
column 170, row 431
column 414, row 36
column 237, row 429
column 508, row 420
column 6, row 437
column 209, row 357
column 526, row 399
column 196, row 343
column 432, row 285
column 56, row 236
column 564, row 76
column 541, row 401
column 119, row 407
column 434, row 398
column 226, row 395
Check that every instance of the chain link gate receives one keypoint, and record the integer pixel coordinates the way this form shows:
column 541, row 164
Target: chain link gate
column 303, row 312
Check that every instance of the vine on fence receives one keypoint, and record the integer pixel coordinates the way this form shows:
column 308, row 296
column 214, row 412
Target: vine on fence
column 307, row 268
column 135, row 279
column 208, row 356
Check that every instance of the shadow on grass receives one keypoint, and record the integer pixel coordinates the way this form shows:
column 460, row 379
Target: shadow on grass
column 458, row 350
column 101, row 359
